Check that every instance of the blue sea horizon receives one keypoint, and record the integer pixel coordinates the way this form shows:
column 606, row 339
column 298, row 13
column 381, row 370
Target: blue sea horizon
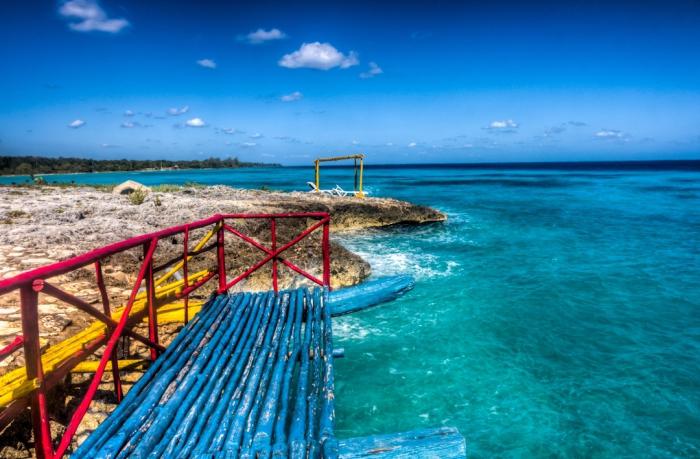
column 556, row 313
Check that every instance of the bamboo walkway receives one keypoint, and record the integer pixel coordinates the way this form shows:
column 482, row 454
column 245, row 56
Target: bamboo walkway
column 250, row 375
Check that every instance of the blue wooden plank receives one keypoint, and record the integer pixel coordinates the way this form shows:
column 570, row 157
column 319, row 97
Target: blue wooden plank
column 368, row 294
column 327, row 422
column 214, row 423
column 149, row 387
column 315, row 378
column 262, row 440
column 180, row 388
column 184, row 417
column 442, row 443
column 235, row 434
column 297, row 442
column 180, row 344
column 280, row 448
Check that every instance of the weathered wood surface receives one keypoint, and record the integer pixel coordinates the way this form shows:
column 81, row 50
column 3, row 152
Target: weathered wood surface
column 368, row 294
column 442, row 443
column 226, row 386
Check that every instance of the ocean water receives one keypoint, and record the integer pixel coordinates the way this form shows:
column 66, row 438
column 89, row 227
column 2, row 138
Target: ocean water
column 556, row 313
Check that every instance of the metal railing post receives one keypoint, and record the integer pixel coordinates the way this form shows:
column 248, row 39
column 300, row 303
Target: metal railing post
column 185, row 272
column 221, row 257
column 108, row 312
column 326, row 254
column 273, row 230
column 29, row 298
column 150, row 298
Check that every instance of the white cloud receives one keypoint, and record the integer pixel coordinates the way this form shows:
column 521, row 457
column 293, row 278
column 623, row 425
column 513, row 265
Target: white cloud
column 129, row 124
column 355, row 142
column 412, row 144
column 178, row 111
column 128, row 113
column 373, row 71
column 207, row 63
column 609, row 134
column 390, row 144
column 90, row 17
column 229, row 131
column 257, row 135
column 321, row 56
column 196, row 122
column 75, row 124
column 262, row 35
column 248, row 144
column 503, row 124
column 296, row 95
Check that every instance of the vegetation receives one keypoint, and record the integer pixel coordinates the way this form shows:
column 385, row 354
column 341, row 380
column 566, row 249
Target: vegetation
column 165, row 188
column 32, row 165
column 137, row 196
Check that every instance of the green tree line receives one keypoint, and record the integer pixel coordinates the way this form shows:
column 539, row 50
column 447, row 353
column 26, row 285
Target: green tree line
column 36, row 165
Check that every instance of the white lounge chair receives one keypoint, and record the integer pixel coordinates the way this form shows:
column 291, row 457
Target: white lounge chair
column 337, row 191
column 313, row 189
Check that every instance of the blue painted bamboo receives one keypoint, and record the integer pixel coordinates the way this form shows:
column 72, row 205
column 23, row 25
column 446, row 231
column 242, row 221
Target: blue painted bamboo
column 175, row 431
column 187, row 443
column 226, row 385
column 180, row 346
column 191, row 401
column 233, row 441
column 315, row 378
column 280, row 446
column 178, row 380
column 231, row 378
column 297, row 443
column 221, row 435
column 262, row 440
column 268, row 374
column 368, row 294
column 329, row 444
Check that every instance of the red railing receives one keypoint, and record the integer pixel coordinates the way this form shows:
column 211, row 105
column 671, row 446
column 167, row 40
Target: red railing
column 33, row 282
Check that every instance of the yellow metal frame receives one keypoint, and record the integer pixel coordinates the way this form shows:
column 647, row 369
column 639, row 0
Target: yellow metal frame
column 317, row 164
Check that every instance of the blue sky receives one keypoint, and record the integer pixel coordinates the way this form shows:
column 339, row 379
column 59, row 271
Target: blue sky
column 401, row 81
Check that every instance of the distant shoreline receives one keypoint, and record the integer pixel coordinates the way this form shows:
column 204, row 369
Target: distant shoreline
column 48, row 174
column 23, row 166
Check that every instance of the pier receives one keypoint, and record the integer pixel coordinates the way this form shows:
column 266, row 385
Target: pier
column 249, row 375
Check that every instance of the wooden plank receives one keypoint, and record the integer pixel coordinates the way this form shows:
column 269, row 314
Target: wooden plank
column 90, row 366
column 441, row 443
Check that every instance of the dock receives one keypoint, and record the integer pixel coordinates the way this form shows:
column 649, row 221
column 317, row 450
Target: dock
column 251, row 374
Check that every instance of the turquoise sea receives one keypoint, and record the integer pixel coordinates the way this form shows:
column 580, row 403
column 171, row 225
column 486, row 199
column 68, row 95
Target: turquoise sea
column 556, row 313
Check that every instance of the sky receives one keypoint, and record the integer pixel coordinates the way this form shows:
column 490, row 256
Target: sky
column 403, row 82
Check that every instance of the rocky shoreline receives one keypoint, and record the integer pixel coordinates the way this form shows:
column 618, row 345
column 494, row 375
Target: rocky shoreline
column 43, row 224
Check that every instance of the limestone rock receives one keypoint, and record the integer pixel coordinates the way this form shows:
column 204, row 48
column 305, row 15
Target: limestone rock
column 129, row 187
